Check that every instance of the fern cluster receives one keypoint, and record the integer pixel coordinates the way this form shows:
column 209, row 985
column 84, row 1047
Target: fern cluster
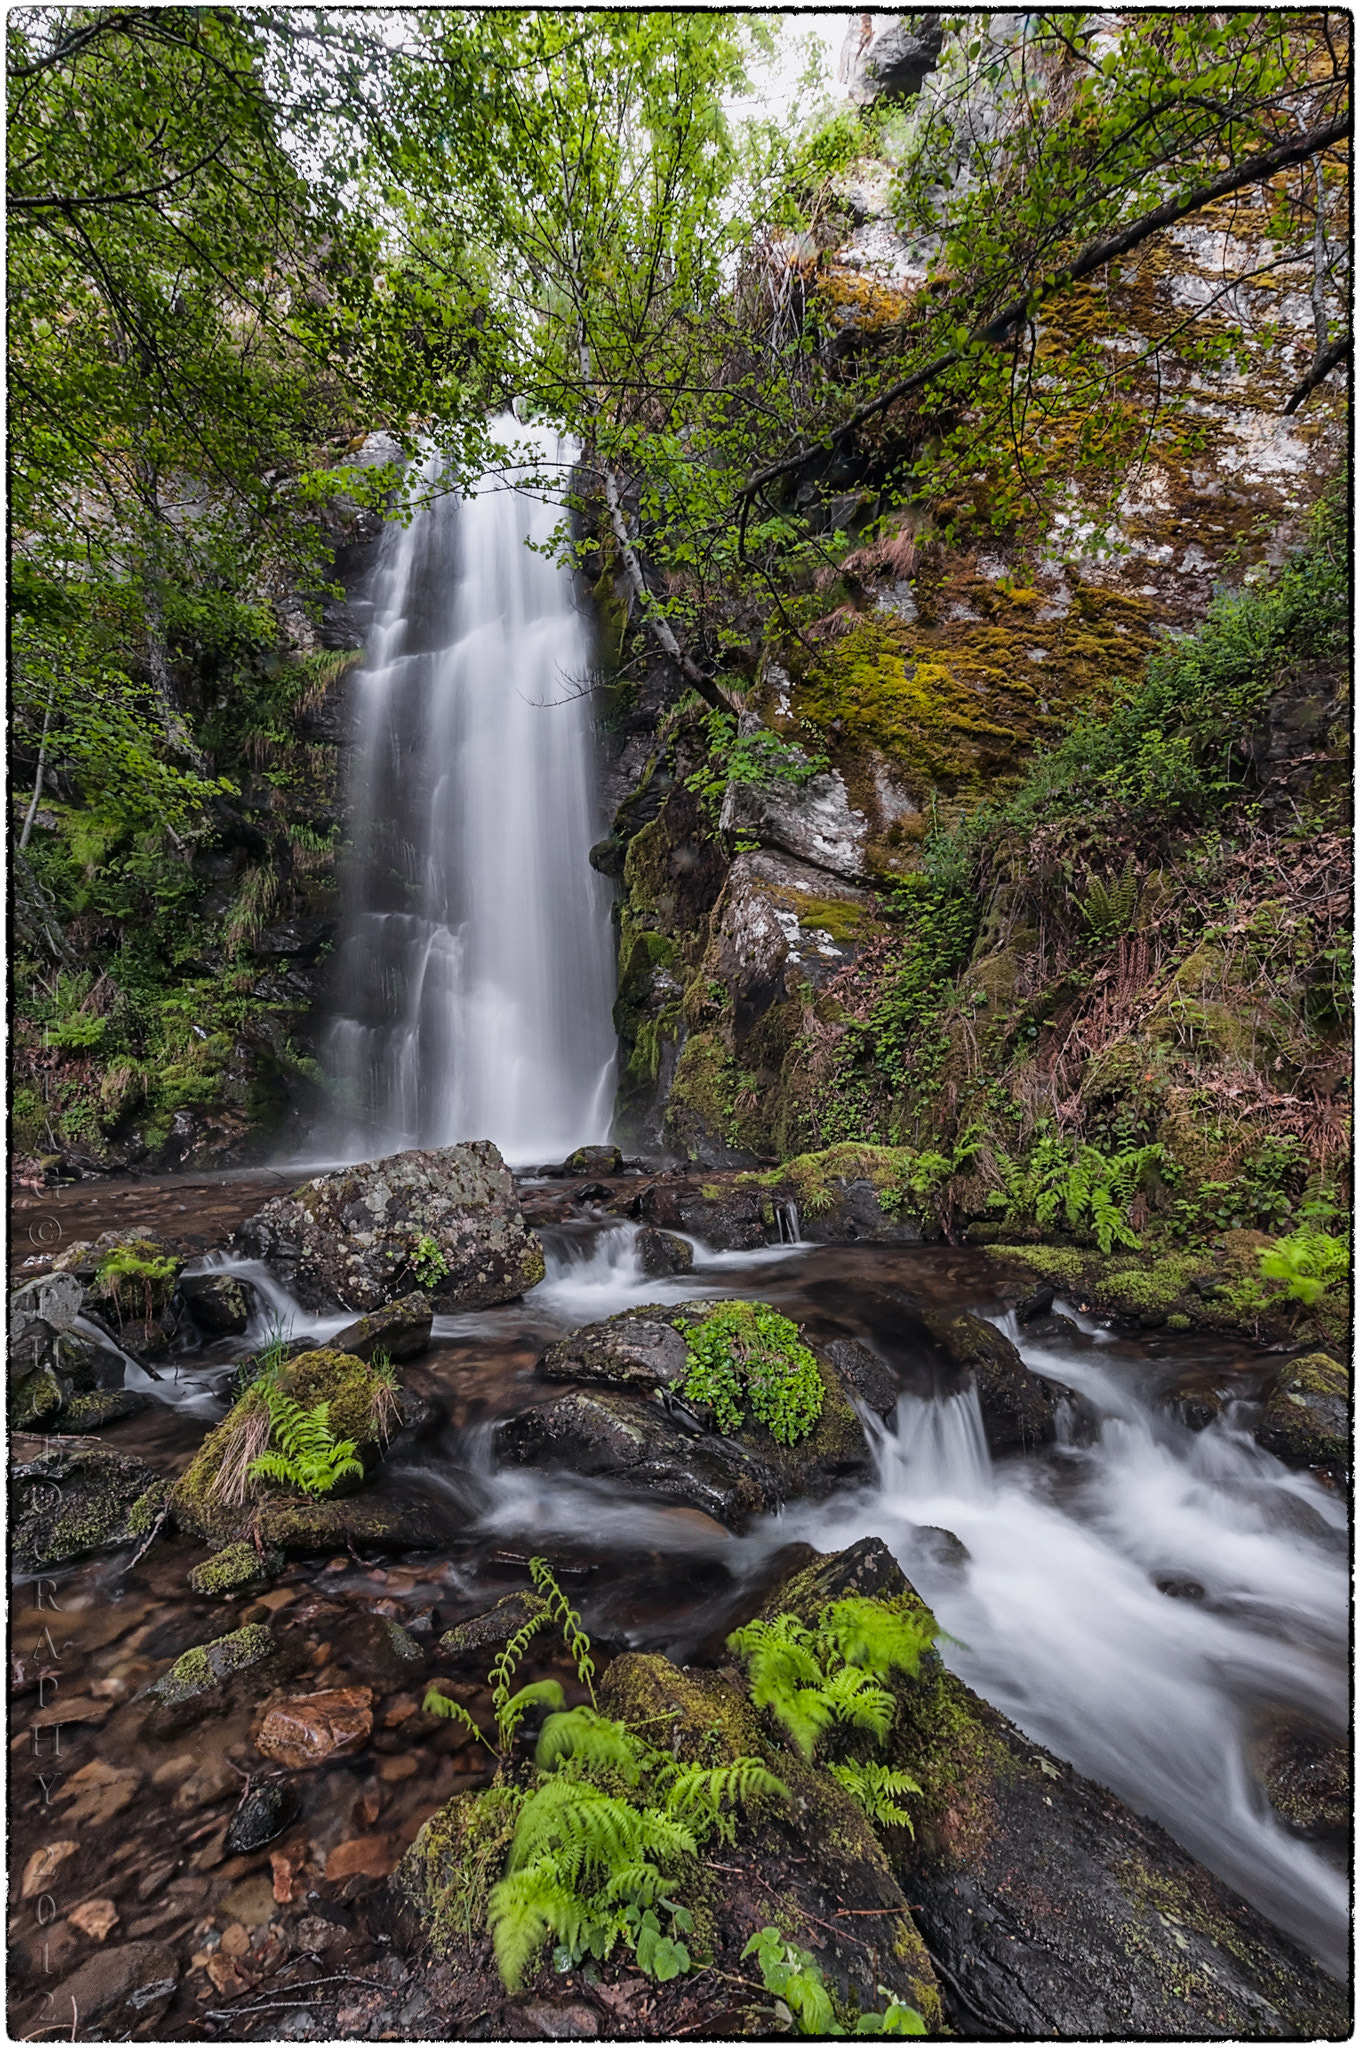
column 814, row 1680
column 745, row 1351
column 1108, row 908
column 1088, row 1188
column 303, row 1451
column 603, row 1834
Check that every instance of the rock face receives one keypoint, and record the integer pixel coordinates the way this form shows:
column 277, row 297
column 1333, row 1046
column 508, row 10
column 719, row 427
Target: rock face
column 1049, row 1909
column 70, row 1504
column 864, row 1375
column 725, row 1218
column 1018, row 1407
column 1306, row 1416
column 366, row 1236
column 218, row 1302
column 814, row 823
column 625, row 1423
column 886, row 57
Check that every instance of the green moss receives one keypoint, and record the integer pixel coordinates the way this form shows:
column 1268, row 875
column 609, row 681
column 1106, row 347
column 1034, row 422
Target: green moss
column 35, row 1401
column 148, row 1507
column 233, row 1570
column 205, row 1668
column 449, row 1870
column 1317, row 1374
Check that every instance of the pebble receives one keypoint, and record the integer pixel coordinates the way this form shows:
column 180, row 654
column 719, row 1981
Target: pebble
column 264, row 1813
column 251, row 1902
column 95, row 1917
column 393, row 1768
column 317, row 1726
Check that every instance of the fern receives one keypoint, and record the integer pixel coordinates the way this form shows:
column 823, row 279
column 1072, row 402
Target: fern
column 811, row 1679
column 561, row 1611
column 307, row 1455
column 1109, row 908
column 876, row 1788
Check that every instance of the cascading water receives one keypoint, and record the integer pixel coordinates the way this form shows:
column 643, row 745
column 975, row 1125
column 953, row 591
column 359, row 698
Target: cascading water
column 474, row 975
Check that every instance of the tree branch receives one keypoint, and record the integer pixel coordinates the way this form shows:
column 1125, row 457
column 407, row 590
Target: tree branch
column 1323, row 364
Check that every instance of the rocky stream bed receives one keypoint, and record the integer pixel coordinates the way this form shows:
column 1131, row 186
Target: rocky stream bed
column 232, row 1815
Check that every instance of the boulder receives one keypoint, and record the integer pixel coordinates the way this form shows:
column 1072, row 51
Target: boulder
column 1049, row 1908
column 593, row 1159
column 1306, row 1770
column 208, row 1666
column 446, row 1221
column 888, row 57
column 53, row 1299
column 316, row 1727
column 659, row 1447
column 238, row 1568
column 68, row 1504
column 865, row 1375
column 1306, row 1416
column 219, row 1303
column 813, row 821
column 400, row 1330
column 854, row 1214
column 630, row 1350
column 83, row 1413
column 661, row 1254
column 1019, row 1408
column 723, row 1217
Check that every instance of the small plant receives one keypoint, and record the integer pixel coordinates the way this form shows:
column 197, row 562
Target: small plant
column 816, row 1679
column 428, row 1263
column 877, row 1789
column 306, row 1455
column 1109, row 907
column 1308, row 1262
column 745, row 1351
column 802, row 1998
column 602, row 1836
column 124, row 1264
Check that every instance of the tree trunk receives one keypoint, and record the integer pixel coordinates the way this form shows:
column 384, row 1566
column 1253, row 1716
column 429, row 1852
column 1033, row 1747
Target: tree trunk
column 647, row 604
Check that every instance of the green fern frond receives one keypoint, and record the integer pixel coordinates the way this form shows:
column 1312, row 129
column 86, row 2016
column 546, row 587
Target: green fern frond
column 545, row 1692
column 523, row 1910
column 856, row 1702
column 444, row 1709
column 306, row 1455
column 873, row 1637
column 878, row 1789
column 590, row 1740
column 561, row 1610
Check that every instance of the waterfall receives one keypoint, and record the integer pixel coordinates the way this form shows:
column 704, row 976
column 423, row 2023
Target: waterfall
column 474, row 975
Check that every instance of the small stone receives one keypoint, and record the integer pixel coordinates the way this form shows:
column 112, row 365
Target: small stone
column 366, row 1807
column 494, row 1626
column 251, row 1902
column 212, row 1780
column 98, row 1791
column 1036, row 1304
column 593, row 1159
column 400, row 1330
column 234, row 1569
column 317, row 1726
column 95, row 1917
column 264, row 1813
column 363, row 1856
column 313, row 1934
column 393, row 1768
column 57, row 1713
column 235, row 1940
column 43, row 1865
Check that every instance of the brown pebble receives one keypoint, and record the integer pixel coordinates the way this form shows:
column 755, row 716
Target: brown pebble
column 393, row 1768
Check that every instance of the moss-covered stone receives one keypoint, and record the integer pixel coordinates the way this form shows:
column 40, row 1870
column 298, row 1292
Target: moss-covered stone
column 71, row 1504
column 209, row 1665
column 1306, row 1416
column 237, row 1569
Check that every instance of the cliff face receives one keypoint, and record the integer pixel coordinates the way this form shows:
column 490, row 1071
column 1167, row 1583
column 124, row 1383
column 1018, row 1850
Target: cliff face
column 791, row 973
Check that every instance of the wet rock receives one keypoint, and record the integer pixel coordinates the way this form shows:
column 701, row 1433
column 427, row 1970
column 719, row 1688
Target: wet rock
column 380, row 1648
column 1058, row 1329
column 53, row 1300
column 100, row 1410
column 591, row 1191
column 1048, row 1906
column 655, row 1452
column 865, row 1375
column 852, row 1213
column 400, row 1330
column 264, row 1813
column 1306, row 1417
column 37, row 1400
column 69, row 1504
column 353, row 1239
column 723, row 1217
column 594, row 1159
column 205, row 1668
column 237, row 1569
column 1037, row 1303
column 1179, row 1588
column 813, row 821
column 1018, row 1407
column 153, row 1264
column 117, row 1991
column 1306, row 1769
column 630, row 1350
column 219, row 1303
column 660, row 1253
column 315, row 1727
column 939, row 1547
column 492, row 1628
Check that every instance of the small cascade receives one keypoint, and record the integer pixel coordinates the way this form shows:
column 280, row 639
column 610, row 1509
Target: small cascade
column 786, row 1216
column 940, row 1449
column 474, row 974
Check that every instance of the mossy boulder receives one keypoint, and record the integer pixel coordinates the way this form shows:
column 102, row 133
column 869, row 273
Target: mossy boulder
column 69, row 1504
column 217, row 1500
column 493, row 1627
column 400, row 1330
column 722, row 1216
column 445, row 1221
column 1051, row 1909
column 661, row 1254
column 1306, row 1416
column 219, row 1303
column 209, row 1665
column 630, row 1422
column 853, row 1194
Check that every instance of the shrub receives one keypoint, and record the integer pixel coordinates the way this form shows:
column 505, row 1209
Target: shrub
column 747, row 1351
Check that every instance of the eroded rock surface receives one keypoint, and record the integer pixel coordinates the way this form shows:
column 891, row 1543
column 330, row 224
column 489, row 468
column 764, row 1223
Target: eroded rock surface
column 368, row 1235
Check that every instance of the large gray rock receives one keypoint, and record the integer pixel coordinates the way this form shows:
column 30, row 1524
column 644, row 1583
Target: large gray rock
column 71, row 1504
column 814, row 822
column 121, row 1989
column 1051, row 1910
column 634, row 1351
column 401, row 1330
column 887, row 57
column 723, row 1217
column 1306, row 1416
column 779, row 921
column 53, row 1299
column 351, row 1239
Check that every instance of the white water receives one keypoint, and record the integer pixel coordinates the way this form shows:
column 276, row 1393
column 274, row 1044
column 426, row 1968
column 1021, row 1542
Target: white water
column 474, row 975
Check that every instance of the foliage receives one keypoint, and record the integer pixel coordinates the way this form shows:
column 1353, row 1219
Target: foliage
column 744, row 1350
column 814, row 1679
column 428, row 1262
column 604, row 1833
column 1085, row 1186
column 791, row 1973
column 1109, row 907
column 759, row 758
column 125, row 1262
column 1308, row 1261
column 305, row 1453
column 877, row 1789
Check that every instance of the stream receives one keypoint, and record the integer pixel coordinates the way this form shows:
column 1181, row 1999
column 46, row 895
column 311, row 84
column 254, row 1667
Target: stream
column 1141, row 1598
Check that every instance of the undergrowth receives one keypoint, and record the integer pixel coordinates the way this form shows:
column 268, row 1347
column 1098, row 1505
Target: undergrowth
column 747, row 1352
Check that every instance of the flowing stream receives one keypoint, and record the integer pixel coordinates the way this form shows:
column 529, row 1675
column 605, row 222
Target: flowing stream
column 474, row 974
